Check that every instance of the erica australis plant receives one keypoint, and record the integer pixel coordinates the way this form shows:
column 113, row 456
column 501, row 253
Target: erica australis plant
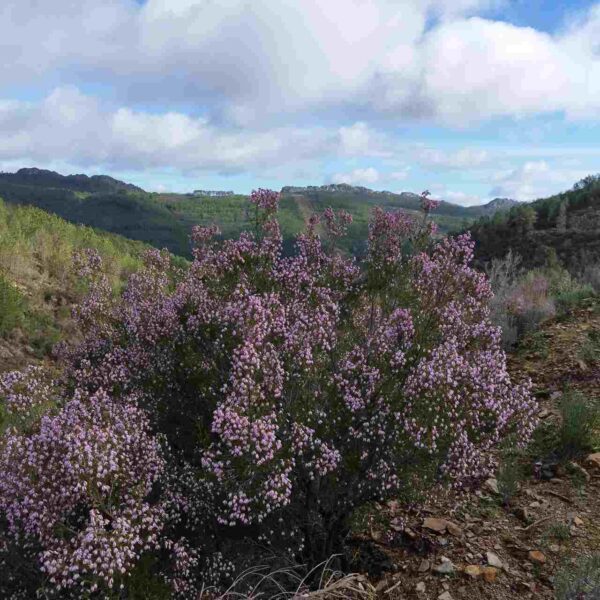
column 249, row 404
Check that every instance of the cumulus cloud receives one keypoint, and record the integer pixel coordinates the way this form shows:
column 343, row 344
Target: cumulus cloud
column 365, row 176
column 252, row 61
column 360, row 139
column 534, row 179
column 70, row 125
column 286, row 82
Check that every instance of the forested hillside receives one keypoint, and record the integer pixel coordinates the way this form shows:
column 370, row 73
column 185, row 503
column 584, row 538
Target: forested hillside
column 166, row 219
column 565, row 226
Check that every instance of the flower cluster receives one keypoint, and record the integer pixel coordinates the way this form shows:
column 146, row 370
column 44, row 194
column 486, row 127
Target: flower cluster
column 287, row 391
column 77, row 485
column 428, row 204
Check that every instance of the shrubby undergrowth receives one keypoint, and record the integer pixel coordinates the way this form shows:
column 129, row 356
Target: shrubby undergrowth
column 240, row 410
column 523, row 300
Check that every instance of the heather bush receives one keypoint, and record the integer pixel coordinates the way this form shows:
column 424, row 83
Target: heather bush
column 242, row 409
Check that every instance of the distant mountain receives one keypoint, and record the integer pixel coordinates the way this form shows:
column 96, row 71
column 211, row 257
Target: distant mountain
column 565, row 226
column 76, row 183
column 166, row 219
column 405, row 200
column 496, row 205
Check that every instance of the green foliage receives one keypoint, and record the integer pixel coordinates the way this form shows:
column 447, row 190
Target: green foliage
column 579, row 580
column 37, row 282
column 590, row 349
column 12, row 306
column 570, row 300
column 509, row 476
column 558, row 532
column 536, row 343
column 580, row 419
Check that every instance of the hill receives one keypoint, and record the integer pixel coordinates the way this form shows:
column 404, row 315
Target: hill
column 38, row 285
column 77, row 183
column 565, row 226
column 165, row 219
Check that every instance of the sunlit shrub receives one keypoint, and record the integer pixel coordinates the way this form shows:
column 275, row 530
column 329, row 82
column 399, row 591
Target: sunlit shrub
column 286, row 392
column 12, row 306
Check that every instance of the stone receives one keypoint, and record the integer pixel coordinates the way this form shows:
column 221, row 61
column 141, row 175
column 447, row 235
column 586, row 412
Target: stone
column 577, row 521
column 454, row 529
column 493, row 560
column 490, row 574
column 438, row 525
column 445, row 568
column 421, row 587
column 577, row 468
column 535, row 556
column 593, row 460
column 445, row 596
column 424, row 566
column 491, row 485
column 472, row 571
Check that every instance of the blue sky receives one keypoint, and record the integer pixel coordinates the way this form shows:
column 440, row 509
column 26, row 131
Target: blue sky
column 471, row 99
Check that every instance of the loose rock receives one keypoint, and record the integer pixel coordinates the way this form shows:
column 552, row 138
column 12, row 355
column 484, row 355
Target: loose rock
column 493, row 560
column 535, row 556
column 445, row 596
column 438, row 525
column 579, row 469
column 445, row 568
column 472, row 571
column 491, row 485
column 593, row 460
column 490, row 574
column 424, row 566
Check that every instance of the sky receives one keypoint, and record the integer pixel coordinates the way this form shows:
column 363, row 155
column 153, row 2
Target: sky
column 471, row 99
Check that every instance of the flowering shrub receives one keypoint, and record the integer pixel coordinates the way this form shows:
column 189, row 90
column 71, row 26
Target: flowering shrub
column 285, row 391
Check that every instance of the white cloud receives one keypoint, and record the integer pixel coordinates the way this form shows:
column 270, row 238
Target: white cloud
column 369, row 175
column 535, row 179
column 270, row 58
column 459, row 159
column 74, row 127
column 361, row 140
